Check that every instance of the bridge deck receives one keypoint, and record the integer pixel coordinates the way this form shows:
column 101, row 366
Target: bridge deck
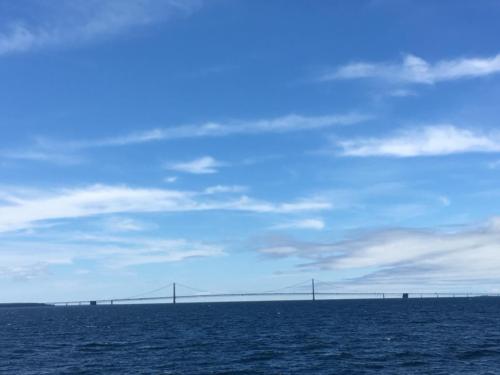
column 273, row 294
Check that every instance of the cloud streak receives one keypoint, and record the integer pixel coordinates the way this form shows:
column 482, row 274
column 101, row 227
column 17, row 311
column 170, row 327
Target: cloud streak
column 431, row 140
column 220, row 189
column 311, row 224
column 418, row 258
column 283, row 124
column 67, row 151
column 416, row 70
column 28, row 259
column 18, row 211
column 42, row 156
column 203, row 165
column 78, row 21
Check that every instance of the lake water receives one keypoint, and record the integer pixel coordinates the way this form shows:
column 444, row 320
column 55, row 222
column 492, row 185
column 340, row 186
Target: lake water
column 415, row 336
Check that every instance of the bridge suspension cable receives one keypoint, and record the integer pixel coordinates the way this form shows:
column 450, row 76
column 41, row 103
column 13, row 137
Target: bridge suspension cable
column 283, row 291
column 304, row 284
column 192, row 288
column 151, row 291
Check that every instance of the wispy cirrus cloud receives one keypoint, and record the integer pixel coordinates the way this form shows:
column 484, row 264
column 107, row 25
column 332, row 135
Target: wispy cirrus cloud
column 203, row 165
column 416, row 70
column 124, row 251
column 21, row 211
column 170, row 179
column 40, row 24
column 58, row 151
column 122, row 224
column 42, row 156
column 402, row 93
column 32, row 258
column 311, row 224
column 283, row 124
column 416, row 258
column 442, row 139
column 219, row 189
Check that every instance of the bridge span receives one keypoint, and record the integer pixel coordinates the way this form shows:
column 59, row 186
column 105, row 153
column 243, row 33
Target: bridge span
column 312, row 293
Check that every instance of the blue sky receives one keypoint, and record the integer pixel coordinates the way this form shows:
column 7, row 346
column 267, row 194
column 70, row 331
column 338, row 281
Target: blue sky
column 246, row 145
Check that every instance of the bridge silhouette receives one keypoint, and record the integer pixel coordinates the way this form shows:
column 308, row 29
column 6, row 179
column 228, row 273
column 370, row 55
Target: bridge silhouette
column 301, row 291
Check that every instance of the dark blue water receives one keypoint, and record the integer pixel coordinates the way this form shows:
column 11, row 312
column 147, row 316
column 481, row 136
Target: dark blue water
column 429, row 336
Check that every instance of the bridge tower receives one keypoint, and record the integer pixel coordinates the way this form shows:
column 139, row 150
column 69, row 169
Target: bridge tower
column 313, row 292
column 173, row 294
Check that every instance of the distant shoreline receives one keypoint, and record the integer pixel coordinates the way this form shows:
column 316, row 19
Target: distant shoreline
column 23, row 304
column 127, row 303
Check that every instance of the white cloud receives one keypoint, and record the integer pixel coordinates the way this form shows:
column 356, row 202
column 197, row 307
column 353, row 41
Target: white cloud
column 414, row 69
column 279, row 250
column 203, row 165
column 27, row 259
column 25, row 272
column 42, row 156
column 444, row 200
column 402, row 93
column 75, row 21
column 20, row 211
column 93, row 200
column 124, row 252
column 51, row 150
column 248, row 204
column 170, row 179
column 283, row 124
column 218, row 189
column 122, row 224
column 425, row 141
column 314, row 224
column 418, row 259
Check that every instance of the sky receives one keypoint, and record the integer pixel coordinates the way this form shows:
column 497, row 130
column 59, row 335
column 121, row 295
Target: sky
column 241, row 145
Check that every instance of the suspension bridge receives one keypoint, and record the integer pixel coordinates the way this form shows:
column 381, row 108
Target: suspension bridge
column 307, row 290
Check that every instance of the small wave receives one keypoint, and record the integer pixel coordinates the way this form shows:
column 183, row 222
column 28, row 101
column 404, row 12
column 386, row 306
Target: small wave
column 103, row 345
column 475, row 354
column 413, row 363
column 262, row 356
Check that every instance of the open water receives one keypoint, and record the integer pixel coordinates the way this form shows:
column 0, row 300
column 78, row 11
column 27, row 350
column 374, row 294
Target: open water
column 420, row 336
